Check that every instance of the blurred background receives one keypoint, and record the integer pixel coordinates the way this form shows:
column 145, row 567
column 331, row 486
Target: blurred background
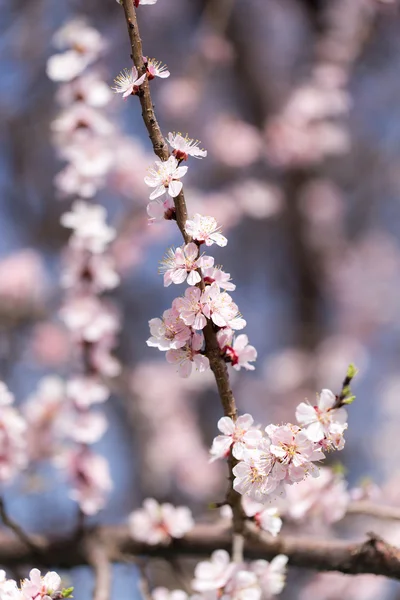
column 297, row 103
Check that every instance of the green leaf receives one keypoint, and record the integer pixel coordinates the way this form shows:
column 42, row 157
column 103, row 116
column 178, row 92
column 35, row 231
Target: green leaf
column 67, row 592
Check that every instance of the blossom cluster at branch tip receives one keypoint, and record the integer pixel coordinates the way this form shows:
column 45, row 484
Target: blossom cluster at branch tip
column 267, row 463
column 47, row 587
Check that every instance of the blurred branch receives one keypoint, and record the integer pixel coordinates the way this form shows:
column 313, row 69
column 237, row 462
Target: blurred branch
column 98, row 558
column 371, row 556
column 369, row 509
column 34, row 546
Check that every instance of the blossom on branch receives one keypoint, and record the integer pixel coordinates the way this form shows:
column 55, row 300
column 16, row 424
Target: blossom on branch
column 188, row 356
column 40, row 587
column 215, row 274
column 170, row 332
column 183, row 147
column 158, row 523
column 220, row 308
column 236, row 351
column 323, row 422
column 237, row 435
column 90, row 231
column 205, row 230
column 165, row 178
column 127, row 82
column 184, row 263
column 155, row 68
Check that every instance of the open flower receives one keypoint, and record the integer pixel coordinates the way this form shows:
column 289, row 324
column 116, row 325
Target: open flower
column 205, row 229
column 189, row 356
column 216, row 274
column 90, row 230
column 40, row 587
column 170, row 332
column 165, row 178
column 213, row 574
column 238, row 352
column 237, row 435
column 157, row 523
column 155, row 69
column 295, row 452
column 267, row 518
column 323, row 421
column 190, row 308
column 128, row 82
column 220, row 308
column 183, row 147
column 183, row 263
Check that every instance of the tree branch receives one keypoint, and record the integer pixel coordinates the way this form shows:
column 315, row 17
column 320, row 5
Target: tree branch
column 371, row 556
column 212, row 350
column 33, row 545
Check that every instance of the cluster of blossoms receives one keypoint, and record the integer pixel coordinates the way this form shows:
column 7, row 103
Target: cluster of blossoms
column 287, row 453
column 158, row 523
column 221, row 578
column 179, row 331
column 34, row 588
column 82, row 136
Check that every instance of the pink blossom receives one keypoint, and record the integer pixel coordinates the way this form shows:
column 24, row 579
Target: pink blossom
column 88, row 89
column 13, row 449
column 323, row 421
column 205, row 229
column 271, row 575
column 6, row 397
column 183, row 147
column 8, row 588
column 95, row 273
column 239, row 353
column 88, row 318
column 158, row 523
column 213, row 574
column 89, row 477
column 243, row 585
column 44, row 414
column 49, row 345
column 85, row 427
column 295, row 452
column 40, row 587
column 189, row 356
column 267, row 518
column 85, row 391
column 77, row 123
column 155, row 69
column 259, row 473
column 170, row 332
column 183, row 263
column 127, row 82
column 215, row 274
column 323, row 498
column 161, row 593
column 220, row 308
column 237, row 435
column 90, row 230
column 191, row 308
column 165, row 178
column 23, row 280
column 157, row 211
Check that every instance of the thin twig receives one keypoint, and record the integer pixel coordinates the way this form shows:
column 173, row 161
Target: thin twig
column 32, row 544
column 370, row 509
